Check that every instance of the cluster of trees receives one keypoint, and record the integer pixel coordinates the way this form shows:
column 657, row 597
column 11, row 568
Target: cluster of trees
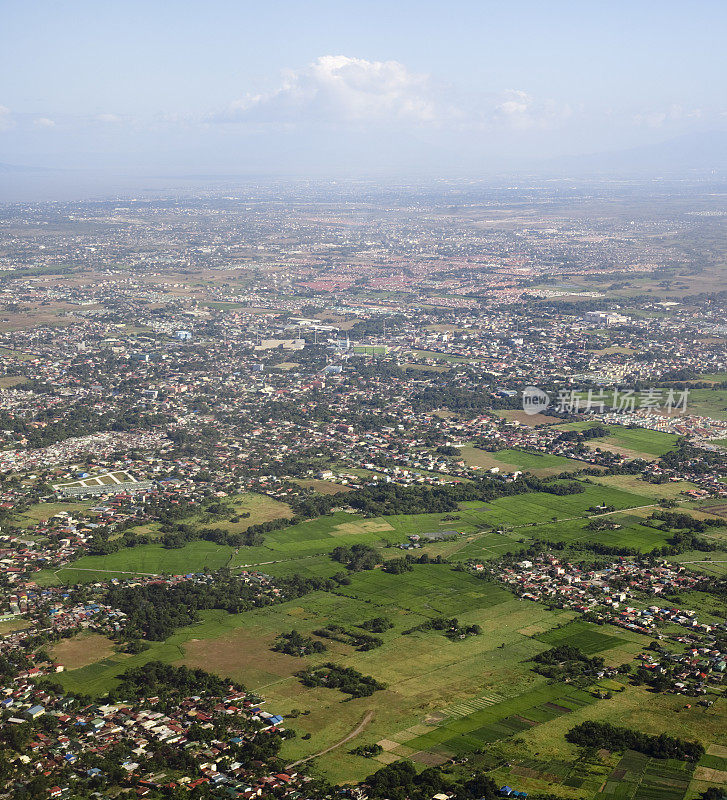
column 597, row 431
column 673, row 520
column 601, row 525
column 569, row 662
column 180, row 534
column 397, row 566
column 357, row 557
column 347, row 679
column 377, row 625
column 367, row 750
column 295, row 644
column 604, row 509
column 612, row 737
column 560, row 489
column 449, row 626
column 154, row 611
column 699, row 461
column 361, row 641
column 389, row 498
column 157, row 679
column 400, row 781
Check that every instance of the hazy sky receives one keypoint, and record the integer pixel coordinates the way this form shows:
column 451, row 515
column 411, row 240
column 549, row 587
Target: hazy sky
column 317, row 86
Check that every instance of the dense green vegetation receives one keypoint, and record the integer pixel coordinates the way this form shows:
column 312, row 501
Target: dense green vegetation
column 347, row 679
column 154, row 610
column 612, row 737
column 295, row 644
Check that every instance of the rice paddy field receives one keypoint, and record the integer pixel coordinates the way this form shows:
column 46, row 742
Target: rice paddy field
column 443, row 698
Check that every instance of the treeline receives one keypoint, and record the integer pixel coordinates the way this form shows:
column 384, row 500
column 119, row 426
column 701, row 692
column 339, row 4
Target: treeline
column 154, row 611
column 611, row 737
column 388, row 499
column 377, row 624
column 358, row 639
column 157, row 679
column 181, row 534
column 673, row 520
column 357, row 557
column 597, row 431
column 400, row 781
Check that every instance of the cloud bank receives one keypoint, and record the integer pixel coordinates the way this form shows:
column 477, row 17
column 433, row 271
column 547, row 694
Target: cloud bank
column 340, row 89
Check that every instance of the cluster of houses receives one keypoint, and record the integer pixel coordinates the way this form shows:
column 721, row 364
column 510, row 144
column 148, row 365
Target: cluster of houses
column 619, row 595
column 73, row 748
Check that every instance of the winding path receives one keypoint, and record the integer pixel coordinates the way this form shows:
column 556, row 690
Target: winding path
column 368, row 716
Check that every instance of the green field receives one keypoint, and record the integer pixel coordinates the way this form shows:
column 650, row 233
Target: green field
column 541, row 507
column 642, row 441
column 461, row 735
column 529, row 515
column 425, row 671
column 708, row 403
column 509, row 460
column 585, row 636
column 143, row 560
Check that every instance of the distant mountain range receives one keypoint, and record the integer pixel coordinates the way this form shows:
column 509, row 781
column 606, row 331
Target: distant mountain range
column 700, row 152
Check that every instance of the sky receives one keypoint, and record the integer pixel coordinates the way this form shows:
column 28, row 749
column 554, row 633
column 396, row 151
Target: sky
column 318, row 88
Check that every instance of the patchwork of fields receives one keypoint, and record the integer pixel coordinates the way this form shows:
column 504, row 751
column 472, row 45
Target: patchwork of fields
column 443, row 698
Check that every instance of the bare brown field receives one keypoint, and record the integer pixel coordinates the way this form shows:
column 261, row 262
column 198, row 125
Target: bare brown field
column 244, row 655
column 82, row 650
column 713, row 776
column 324, row 487
column 13, row 625
column 8, row 381
column 530, row 420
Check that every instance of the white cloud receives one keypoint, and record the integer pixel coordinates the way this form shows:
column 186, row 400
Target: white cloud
column 344, row 90
column 109, row 118
column 657, row 118
column 6, row 118
column 44, row 122
column 341, row 89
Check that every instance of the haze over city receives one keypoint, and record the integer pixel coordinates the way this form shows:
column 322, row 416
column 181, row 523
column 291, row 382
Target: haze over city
column 326, row 89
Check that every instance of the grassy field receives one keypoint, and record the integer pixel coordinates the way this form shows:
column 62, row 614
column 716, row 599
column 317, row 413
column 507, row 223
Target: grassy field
column 708, row 403
column 425, row 671
column 146, row 559
column 541, row 507
column 634, row 442
column 509, row 460
column 44, row 511
column 642, row 440
column 585, row 636
column 632, row 483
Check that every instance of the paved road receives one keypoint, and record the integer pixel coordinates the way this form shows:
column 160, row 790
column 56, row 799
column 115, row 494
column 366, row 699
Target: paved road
column 368, row 716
